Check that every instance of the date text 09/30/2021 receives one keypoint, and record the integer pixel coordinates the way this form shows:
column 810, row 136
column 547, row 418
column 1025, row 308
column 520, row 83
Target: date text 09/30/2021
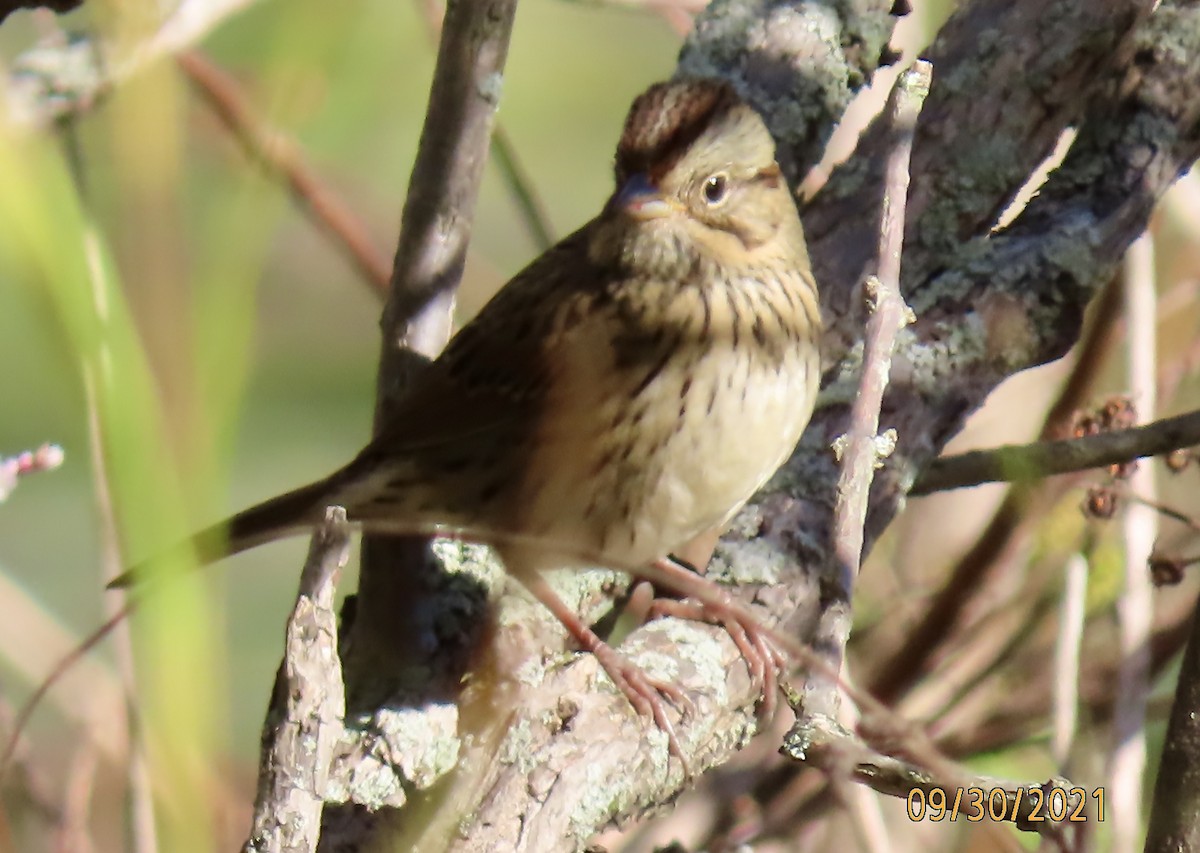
column 1028, row 805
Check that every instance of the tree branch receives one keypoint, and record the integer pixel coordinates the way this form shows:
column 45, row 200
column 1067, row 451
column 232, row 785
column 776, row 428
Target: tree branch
column 861, row 448
column 1026, row 462
column 304, row 722
column 1175, row 809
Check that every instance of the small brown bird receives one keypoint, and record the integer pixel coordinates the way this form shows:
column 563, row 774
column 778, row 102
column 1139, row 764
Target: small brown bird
column 630, row 389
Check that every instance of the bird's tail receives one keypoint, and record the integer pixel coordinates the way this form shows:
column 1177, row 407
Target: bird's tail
column 272, row 519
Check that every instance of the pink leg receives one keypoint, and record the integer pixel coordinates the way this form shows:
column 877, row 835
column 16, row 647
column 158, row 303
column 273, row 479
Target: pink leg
column 763, row 656
column 645, row 694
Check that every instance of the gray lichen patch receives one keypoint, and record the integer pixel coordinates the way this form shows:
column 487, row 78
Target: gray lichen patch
column 398, row 748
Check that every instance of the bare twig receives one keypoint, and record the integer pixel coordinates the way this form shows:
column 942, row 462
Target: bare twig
column 1140, row 528
column 438, row 211
column 13, row 468
column 282, row 159
column 861, row 448
column 304, row 722
column 1175, row 810
column 521, row 187
column 1018, row 463
column 91, row 687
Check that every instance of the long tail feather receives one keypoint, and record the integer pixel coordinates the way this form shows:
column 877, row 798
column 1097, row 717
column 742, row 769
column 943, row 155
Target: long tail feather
column 272, row 519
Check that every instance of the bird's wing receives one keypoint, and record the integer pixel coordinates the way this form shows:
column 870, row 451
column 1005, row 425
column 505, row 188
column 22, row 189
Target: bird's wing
column 492, row 377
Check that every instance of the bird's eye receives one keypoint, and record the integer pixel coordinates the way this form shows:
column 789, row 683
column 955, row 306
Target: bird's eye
column 715, row 188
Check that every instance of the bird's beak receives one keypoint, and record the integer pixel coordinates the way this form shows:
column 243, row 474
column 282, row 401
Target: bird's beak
column 639, row 199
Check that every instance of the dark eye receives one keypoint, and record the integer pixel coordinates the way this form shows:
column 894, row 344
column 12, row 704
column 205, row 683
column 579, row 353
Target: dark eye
column 714, row 189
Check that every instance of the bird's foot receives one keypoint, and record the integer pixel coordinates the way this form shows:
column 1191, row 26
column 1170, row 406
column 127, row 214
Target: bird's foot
column 645, row 694
column 707, row 602
column 764, row 659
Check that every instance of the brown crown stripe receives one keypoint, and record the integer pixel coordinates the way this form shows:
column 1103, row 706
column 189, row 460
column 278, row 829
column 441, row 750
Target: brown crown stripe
column 665, row 120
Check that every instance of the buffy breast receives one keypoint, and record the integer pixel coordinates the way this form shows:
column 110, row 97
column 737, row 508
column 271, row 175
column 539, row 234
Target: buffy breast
column 739, row 419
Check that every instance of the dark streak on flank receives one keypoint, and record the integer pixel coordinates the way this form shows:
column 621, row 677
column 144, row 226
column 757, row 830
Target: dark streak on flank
column 760, row 331
column 712, row 398
column 604, row 461
column 812, row 311
column 788, row 329
column 735, row 315
column 654, row 371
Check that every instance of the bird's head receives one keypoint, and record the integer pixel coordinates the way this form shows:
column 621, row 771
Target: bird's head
column 696, row 181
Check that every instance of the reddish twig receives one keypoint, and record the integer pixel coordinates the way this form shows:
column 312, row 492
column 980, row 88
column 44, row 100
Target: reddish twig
column 281, row 158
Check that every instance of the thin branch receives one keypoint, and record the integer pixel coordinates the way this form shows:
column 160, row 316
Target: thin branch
column 439, row 209
column 435, row 230
column 395, row 593
column 861, row 448
column 1175, row 809
column 304, row 723
column 504, row 153
column 281, row 158
column 1019, row 463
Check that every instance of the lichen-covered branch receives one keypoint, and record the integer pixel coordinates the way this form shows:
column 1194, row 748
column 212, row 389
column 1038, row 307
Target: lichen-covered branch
column 304, row 722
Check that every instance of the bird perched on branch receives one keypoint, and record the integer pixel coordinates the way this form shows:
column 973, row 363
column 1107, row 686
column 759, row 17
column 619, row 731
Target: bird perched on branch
column 628, row 390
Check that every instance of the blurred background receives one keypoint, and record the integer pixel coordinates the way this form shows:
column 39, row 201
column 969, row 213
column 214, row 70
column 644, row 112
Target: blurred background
column 256, row 367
